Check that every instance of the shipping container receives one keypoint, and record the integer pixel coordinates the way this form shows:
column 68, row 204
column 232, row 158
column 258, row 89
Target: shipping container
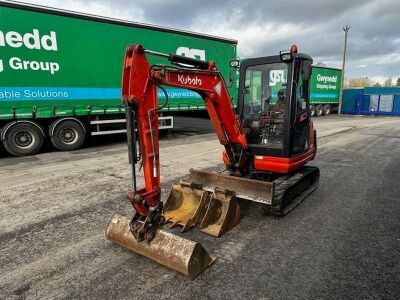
column 60, row 74
column 372, row 101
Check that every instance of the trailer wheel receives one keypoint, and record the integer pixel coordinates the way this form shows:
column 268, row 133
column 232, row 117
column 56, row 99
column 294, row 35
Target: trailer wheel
column 67, row 135
column 23, row 139
column 312, row 110
column 319, row 110
column 327, row 110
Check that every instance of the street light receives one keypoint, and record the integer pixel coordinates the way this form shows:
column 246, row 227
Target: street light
column 346, row 30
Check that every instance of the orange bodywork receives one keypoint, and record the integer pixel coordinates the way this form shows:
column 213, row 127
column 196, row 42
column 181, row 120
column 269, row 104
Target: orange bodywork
column 283, row 165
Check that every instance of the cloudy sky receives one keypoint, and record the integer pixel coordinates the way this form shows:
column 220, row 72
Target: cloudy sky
column 265, row 27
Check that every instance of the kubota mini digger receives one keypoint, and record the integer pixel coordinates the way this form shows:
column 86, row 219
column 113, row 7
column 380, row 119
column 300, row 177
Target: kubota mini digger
column 267, row 140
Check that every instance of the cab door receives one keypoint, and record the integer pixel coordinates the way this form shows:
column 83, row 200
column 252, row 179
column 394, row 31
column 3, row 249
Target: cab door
column 300, row 110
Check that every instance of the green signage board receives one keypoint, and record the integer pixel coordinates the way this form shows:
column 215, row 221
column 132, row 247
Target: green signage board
column 325, row 85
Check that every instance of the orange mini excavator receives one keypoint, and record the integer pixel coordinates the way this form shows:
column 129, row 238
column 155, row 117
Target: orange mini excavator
column 268, row 140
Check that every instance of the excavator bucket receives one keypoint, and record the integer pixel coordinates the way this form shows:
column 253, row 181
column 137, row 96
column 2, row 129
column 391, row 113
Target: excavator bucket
column 186, row 205
column 223, row 213
column 182, row 255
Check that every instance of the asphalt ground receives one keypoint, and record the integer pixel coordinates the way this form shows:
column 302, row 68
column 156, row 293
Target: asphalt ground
column 342, row 242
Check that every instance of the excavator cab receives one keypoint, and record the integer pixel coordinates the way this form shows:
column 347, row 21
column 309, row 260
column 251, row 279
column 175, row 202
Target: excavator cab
column 273, row 105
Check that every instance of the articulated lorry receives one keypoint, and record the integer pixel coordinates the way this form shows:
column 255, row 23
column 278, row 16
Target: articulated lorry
column 60, row 74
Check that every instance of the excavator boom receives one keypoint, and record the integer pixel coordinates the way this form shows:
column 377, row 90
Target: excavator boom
column 139, row 93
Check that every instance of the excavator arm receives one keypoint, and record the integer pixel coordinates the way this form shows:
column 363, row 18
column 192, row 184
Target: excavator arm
column 139, row 93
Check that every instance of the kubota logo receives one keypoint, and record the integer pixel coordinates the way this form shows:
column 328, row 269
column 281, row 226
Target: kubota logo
column 189, row 80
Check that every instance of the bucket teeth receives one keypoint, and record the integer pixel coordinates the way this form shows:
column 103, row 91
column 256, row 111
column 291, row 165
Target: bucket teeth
column 186, row 205
column 223, row 213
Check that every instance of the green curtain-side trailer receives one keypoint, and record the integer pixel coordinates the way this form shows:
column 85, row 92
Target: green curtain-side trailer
column 60, row 73
column 324, row 90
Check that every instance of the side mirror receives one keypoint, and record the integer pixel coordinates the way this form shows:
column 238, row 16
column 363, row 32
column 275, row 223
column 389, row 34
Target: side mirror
column 231, row 79
column 306, row 70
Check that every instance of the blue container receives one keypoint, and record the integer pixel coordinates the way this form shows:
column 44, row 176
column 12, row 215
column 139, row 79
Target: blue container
column 391, row 90
column 372, row 101
column 350, row 101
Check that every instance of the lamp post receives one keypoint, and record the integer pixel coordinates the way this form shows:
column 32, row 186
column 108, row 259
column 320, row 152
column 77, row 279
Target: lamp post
column 346, row 30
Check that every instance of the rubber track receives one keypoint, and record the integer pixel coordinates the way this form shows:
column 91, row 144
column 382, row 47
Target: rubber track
column 292, row 189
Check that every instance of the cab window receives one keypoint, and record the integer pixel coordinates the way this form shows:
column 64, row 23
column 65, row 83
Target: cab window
column 264, row 86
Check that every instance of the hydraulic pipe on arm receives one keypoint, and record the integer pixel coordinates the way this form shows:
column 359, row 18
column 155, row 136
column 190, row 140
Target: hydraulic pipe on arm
column 139, row 94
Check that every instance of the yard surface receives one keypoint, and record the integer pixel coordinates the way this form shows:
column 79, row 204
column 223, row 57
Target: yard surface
column 343, row 241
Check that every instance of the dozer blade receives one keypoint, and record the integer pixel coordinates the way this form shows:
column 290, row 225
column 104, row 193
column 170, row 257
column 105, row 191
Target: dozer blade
column 182, row 255
column 186, row 205
column 280, row 196
column 249, row 189
column 223, row 213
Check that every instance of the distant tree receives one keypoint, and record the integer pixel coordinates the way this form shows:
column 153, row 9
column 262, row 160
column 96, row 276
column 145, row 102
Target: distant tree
column 388, row 82
column 398, row 81
column 377, row 84
column 360, row 82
